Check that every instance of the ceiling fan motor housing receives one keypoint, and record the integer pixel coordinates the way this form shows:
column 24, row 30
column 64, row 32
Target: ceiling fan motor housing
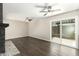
column 49, row 7
column 29, row 19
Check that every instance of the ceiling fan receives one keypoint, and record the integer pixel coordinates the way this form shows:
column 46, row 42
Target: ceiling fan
column 28, row 19
column 47, row 8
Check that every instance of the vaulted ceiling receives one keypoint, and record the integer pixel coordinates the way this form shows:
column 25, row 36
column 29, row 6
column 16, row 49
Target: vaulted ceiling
column 19, row 11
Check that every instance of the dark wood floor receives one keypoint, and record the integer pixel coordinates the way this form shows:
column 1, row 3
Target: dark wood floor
column 29, row 46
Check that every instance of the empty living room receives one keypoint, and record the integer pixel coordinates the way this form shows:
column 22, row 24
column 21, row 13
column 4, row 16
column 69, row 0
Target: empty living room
column 39, row 29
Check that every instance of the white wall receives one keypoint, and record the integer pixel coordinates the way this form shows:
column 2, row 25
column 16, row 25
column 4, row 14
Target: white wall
column 16, row 29
column 41, row 28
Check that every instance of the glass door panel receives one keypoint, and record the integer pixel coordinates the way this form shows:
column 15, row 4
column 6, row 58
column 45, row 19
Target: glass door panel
column 56, row 32
column 68, row 32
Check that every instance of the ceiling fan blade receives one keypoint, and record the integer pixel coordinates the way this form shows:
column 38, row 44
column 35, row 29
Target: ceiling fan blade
column 45, row 7
column 45, row 14
column 40, row 6
column 55, row 10
column 44, row 11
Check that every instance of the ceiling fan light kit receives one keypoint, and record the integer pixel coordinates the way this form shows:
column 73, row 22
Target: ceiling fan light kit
column 28, row 19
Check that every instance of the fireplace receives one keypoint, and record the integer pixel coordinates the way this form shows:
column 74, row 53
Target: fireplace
column 2, row 36
column 2, row 30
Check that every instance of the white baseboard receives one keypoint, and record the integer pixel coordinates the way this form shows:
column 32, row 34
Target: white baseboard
column 14, row 37
column 41, row 38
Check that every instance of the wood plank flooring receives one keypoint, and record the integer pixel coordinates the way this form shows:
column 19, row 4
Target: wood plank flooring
column 29, row 46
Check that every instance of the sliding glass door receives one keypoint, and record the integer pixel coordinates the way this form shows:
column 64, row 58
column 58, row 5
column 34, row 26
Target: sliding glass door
column 63, row 32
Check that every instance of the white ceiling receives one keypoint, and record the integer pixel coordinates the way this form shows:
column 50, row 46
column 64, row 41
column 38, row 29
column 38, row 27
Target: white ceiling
column 19, row 11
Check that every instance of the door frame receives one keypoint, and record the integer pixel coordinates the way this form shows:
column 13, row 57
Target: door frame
column 76, row 29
